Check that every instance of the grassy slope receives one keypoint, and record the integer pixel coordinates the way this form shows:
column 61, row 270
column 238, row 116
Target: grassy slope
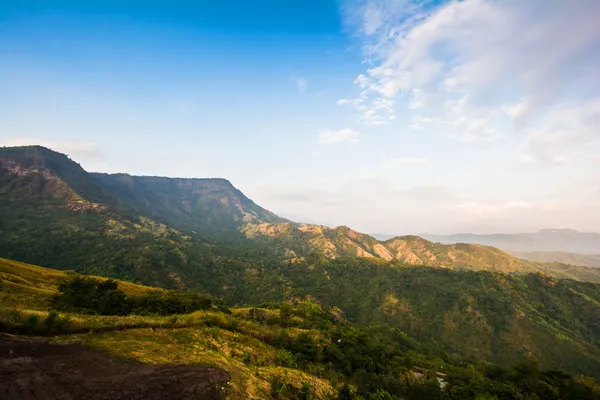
column 29, row 287
column 209, row 338
column 248, row 342
column 470, row 315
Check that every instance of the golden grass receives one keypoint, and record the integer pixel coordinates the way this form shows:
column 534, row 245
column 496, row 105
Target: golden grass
column 232, row 342
column 29, row 287
column 249, row 360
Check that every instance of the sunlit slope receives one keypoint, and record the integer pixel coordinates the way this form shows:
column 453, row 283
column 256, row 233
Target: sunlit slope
column 30, row 286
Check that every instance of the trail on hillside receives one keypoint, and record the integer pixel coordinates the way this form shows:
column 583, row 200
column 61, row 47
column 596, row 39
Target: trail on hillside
column 35, row 369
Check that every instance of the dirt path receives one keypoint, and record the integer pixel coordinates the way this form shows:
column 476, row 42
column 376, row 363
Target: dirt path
column 35, row 369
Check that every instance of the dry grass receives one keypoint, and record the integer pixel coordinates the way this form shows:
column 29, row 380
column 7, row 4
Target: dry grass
column 249, row 360
column 25, row 286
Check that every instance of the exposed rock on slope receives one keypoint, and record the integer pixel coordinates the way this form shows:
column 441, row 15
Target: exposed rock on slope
column 33, row 369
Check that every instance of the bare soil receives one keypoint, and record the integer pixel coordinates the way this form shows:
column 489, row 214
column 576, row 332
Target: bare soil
column 34, row 369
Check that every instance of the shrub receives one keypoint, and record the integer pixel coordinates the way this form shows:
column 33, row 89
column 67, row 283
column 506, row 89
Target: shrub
column 285, row 358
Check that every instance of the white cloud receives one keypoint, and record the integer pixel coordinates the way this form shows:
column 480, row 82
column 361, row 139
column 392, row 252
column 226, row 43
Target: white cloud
column 74, row 149
column 473, row 68
column 518, row 204
column 373, row 19
column 396, row 162
column 340, row 136
column 495, row 208
column 565, row 128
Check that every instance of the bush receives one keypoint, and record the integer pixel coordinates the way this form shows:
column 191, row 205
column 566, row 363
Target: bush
column 94, row 296
column 90, row 296
column 53, row 323
column 285, row 358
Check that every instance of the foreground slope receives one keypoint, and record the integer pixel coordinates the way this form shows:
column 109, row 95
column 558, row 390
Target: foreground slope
column 96, row 376
column 286, row 351
column 467, row 315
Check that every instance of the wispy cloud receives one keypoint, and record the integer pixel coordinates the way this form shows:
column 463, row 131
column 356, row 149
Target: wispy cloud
column 496, row 207
column 473, row 68
column 397, row 162
column 345, row 135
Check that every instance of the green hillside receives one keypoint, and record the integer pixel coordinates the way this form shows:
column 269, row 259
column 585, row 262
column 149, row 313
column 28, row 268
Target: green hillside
column 171, row 232
column 293, row 240
column 200, row 205
column 29, row 286
column 297, row 350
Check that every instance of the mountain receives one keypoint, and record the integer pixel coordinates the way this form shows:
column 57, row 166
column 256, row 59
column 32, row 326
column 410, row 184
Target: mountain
column 564, row 240
column 587, row 260
column 298, row 240
column 55, row 214
column 458, row 298
column 39, row 174
column 201, row 205
column 173, row 232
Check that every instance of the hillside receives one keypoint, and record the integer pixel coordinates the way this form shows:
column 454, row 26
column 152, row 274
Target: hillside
column 305, row 349
column 546, row 240
column 201, row 205
column 30, row 286
column 55, row 214
column 472, row 315
column 172, row 232
column 298, row 240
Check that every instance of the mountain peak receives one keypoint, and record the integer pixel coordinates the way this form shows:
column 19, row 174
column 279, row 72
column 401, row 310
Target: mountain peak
column 40, row 172
column 195, row 204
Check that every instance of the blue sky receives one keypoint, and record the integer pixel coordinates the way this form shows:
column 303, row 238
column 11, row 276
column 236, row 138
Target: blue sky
column 390, row 116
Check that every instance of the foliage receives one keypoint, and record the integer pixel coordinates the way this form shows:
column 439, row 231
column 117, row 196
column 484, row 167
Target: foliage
column 94, row 296
column 303, row 358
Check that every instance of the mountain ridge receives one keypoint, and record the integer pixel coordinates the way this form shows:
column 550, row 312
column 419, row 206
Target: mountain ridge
column 170, row 224
column 188, row 203
column 564, row 240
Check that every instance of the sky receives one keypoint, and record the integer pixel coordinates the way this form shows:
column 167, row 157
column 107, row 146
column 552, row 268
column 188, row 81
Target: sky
column 388, row 116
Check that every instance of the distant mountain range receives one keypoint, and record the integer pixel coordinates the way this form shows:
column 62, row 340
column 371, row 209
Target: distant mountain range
column 565, row 246
column 565, row 240
column 587, row 260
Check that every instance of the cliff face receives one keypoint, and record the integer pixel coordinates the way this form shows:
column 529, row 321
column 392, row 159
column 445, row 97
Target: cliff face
column 192, row 204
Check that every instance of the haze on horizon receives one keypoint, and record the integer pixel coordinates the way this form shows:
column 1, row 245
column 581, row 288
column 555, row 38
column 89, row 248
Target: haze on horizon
column 388, row 116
